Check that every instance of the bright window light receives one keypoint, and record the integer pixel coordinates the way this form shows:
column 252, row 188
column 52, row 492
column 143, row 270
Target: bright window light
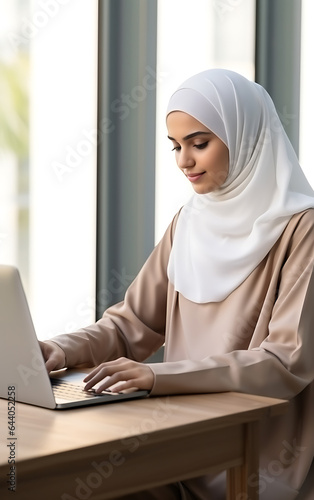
column 63, row 165
column 48, row 92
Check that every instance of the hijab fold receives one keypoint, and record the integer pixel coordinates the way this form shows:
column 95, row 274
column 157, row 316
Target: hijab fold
column 222, row 236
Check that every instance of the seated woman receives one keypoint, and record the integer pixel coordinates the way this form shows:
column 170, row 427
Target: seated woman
column 230, row 287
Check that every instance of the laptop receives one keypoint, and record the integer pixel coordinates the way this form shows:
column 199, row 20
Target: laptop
column 23, row 373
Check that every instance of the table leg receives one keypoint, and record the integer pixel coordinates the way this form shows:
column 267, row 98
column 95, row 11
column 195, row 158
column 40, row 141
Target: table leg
column 242, row 481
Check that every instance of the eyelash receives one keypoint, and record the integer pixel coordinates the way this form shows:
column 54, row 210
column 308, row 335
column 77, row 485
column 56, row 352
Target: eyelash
column 201, row 146
column 197, row 146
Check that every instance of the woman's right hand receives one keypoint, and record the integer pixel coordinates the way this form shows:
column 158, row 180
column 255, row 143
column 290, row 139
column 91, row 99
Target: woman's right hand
column 53, row 355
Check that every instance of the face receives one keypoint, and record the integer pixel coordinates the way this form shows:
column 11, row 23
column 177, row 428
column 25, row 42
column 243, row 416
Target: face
column 200, row 154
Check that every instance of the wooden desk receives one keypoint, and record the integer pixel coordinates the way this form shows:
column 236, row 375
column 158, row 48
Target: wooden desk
column 106, row 451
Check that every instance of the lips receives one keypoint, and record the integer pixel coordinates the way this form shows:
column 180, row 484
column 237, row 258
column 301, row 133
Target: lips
column 194, row 177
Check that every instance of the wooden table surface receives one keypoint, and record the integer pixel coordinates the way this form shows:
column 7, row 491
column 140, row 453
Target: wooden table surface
column 105, row 451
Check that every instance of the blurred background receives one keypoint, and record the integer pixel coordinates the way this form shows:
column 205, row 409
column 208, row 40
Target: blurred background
column 88, row 183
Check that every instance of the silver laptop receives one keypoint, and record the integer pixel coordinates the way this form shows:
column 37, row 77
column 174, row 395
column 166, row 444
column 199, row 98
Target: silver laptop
column 23, row 374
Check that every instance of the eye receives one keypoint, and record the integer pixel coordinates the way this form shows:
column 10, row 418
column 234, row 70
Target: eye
column 176, row 148
column 201, row 146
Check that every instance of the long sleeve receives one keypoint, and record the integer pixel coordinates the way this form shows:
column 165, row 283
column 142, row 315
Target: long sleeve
column 134, row 328
column 278, row 361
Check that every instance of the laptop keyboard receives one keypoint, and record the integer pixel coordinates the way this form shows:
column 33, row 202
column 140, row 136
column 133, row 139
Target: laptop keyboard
column 72, row 392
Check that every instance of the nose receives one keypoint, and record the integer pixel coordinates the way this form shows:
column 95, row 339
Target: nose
column 185, row 160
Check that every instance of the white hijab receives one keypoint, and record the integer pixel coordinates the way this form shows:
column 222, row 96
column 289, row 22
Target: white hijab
column 222, row 236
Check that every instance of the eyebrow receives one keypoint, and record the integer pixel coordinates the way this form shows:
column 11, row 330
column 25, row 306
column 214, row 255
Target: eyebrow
column 190, row 136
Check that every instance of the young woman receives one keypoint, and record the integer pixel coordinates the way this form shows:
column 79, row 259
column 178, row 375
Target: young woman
column 229, row 288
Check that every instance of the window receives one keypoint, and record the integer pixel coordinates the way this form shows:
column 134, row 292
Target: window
column 48, row 156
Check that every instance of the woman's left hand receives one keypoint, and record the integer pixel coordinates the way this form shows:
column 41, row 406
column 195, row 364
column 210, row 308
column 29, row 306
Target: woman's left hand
column 123, row 373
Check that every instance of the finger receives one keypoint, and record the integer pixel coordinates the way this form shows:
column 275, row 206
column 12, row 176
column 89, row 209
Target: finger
column 125, row 378
column 107, row 378
column 99, row 376
column 108, row 364
column 43, row 349
column 52, row 363
column 125, row 386
column 91, row 374
column 102, row 383
column 49, row 362
column 110, row 367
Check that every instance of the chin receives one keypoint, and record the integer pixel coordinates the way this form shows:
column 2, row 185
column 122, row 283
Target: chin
column 203, row 190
